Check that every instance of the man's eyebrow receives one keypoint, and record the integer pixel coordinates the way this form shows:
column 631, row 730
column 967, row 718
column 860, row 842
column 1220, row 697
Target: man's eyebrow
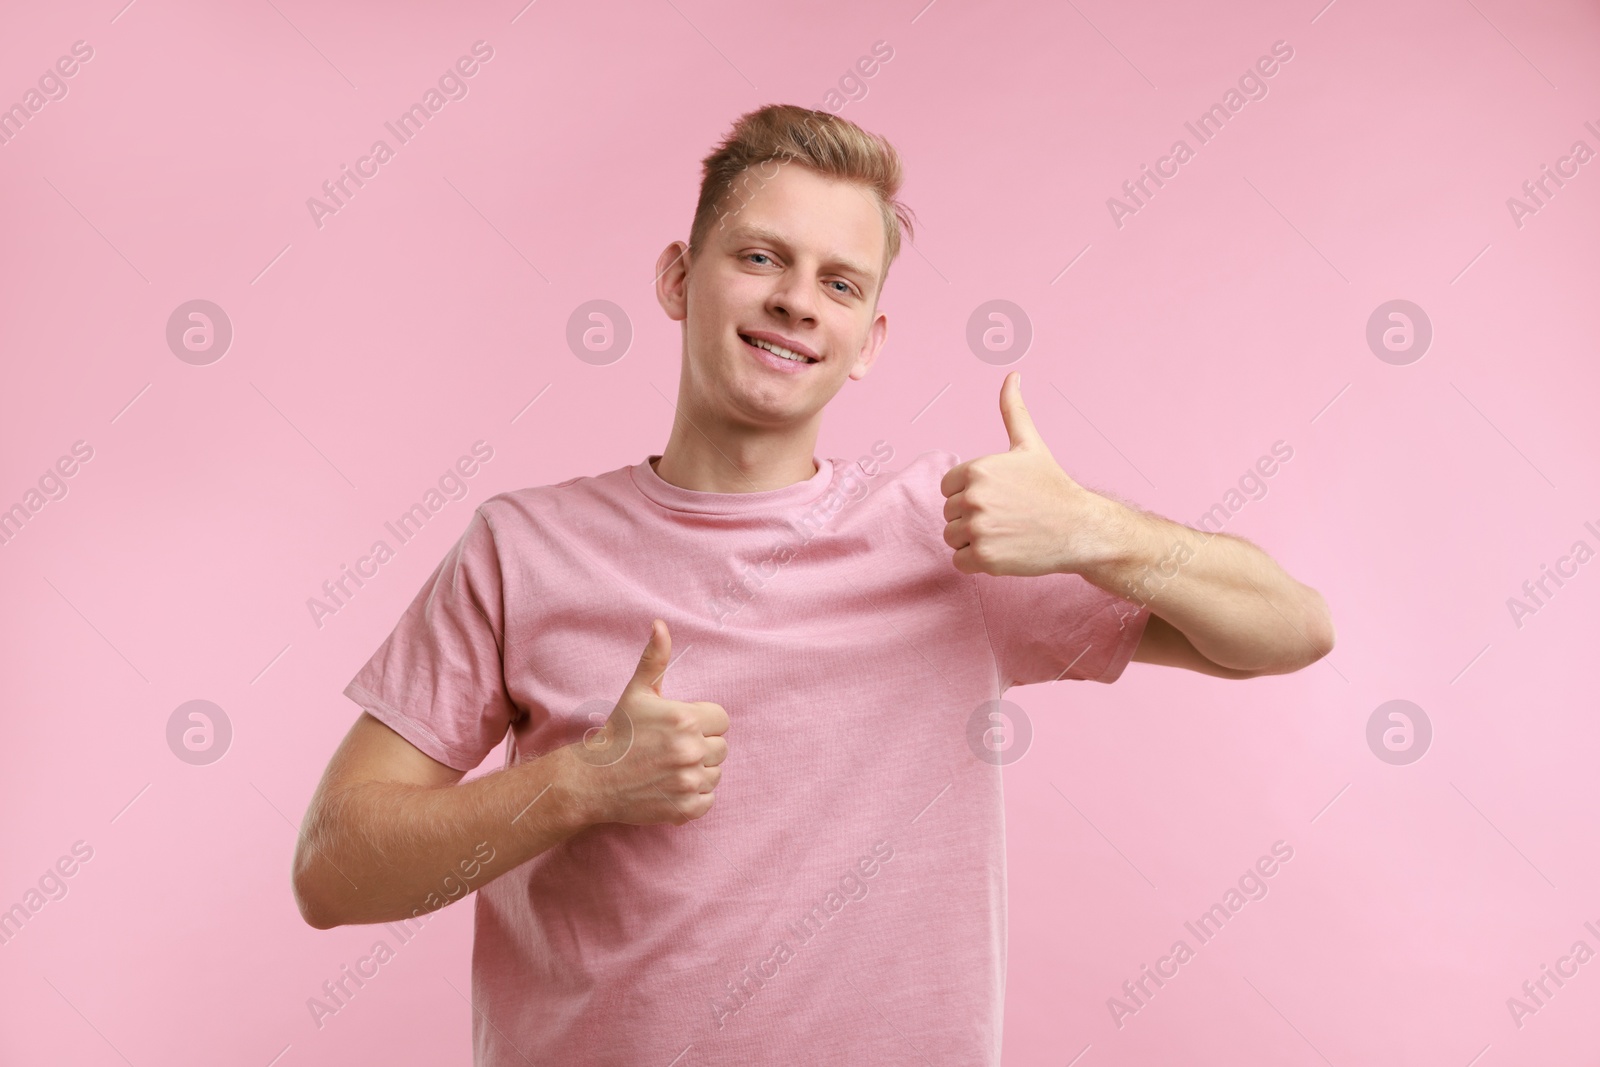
column 761, row 233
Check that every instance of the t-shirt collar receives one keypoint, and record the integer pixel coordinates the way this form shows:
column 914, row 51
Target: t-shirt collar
column 678, row 498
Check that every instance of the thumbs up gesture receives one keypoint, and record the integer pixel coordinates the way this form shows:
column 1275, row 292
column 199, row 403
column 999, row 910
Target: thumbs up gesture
column 654, row 760
column 1018, row 512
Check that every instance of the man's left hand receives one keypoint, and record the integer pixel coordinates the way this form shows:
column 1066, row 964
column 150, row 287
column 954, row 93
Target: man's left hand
column 1018, row 512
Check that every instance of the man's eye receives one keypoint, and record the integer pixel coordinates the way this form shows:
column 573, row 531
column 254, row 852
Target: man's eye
column 752, row 255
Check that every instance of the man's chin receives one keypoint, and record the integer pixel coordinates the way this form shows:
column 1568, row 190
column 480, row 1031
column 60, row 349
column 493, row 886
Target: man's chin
column 775, row 411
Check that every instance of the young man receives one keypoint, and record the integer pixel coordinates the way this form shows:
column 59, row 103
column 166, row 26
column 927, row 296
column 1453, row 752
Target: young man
column 775, row 836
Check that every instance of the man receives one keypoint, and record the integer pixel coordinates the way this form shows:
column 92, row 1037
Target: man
column 832, row 634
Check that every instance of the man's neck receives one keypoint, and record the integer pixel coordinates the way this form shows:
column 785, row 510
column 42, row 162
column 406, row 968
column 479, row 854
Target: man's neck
column 736, row 463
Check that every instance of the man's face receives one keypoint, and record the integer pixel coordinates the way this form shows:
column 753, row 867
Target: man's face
column 795, row 260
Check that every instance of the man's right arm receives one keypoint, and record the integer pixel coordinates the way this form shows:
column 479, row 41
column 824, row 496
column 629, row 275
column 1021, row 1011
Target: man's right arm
column 389, row 833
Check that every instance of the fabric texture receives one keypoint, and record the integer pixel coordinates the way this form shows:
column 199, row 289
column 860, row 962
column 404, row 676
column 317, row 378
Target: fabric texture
column 844, row 900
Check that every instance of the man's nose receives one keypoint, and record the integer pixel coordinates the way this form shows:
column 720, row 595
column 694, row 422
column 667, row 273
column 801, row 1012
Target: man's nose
column 794, row 299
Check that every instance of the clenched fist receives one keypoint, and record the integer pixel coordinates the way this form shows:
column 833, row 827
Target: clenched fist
column 654, row 760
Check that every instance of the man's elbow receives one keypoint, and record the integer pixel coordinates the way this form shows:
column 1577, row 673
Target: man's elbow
column 1322, row 635
column 311, row 909
column 307, row 882
column 1311, row 642
column 1319, row 635
column 312, row 912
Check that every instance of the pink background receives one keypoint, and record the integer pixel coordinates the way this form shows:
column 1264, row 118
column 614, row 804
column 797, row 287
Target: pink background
column 1226, row 315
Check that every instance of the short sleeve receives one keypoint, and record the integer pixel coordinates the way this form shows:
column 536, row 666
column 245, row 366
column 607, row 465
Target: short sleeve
column 438, row 679
column 1058, row 626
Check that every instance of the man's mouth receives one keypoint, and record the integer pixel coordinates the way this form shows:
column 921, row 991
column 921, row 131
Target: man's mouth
column 776, row 349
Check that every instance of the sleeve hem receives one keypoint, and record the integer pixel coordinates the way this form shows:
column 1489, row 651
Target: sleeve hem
column 411, row 729
column 1132, row 634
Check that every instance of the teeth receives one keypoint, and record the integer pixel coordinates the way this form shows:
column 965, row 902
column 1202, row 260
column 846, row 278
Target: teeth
column 781, row 352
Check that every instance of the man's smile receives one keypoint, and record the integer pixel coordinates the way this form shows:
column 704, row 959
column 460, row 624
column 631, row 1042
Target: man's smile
column 780, row 347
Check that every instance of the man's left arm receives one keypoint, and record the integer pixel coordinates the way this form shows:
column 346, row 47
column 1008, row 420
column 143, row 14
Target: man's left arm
column 1219, row 605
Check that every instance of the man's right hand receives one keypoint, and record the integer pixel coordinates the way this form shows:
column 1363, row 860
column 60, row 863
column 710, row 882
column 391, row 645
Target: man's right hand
column 655, row 760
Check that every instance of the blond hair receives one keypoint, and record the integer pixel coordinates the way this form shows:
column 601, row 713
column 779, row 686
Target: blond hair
column 783, row 133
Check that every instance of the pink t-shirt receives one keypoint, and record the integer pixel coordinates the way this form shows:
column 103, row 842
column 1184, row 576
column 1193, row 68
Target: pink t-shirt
column 844, row 900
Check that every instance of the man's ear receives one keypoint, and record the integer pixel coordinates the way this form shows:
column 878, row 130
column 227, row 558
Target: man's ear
column 877, row 333
column 672, row 281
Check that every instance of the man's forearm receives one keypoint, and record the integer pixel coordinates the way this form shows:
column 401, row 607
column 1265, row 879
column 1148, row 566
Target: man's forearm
column 1234, row 603
column 383, row 851
column 1019, row 513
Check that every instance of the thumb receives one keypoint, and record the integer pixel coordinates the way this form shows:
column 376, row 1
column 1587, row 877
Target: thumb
column 653, row 663
column 1019, row 424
